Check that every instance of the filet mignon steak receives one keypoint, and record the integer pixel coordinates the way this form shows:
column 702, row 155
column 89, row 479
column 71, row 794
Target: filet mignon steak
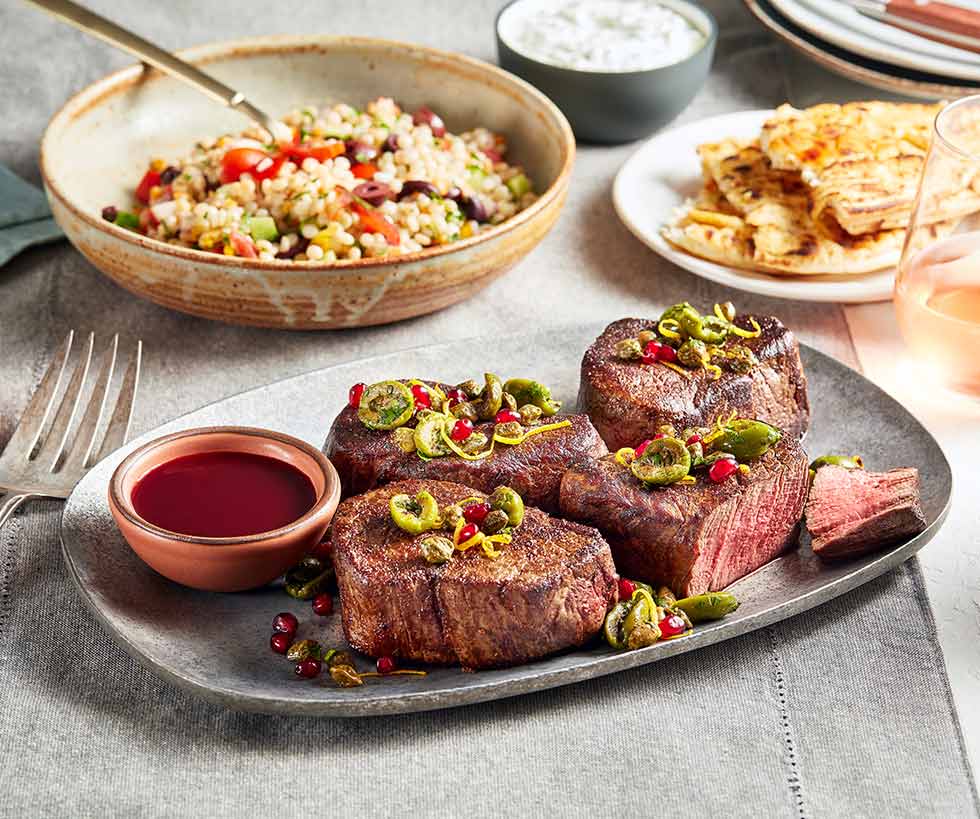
column 549, row 589
column 692, row 538
column 628, row 400
column 367, row 458
column 851, row 511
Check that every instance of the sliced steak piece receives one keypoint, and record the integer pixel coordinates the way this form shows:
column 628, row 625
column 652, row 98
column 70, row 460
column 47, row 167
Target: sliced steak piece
column 851, row 511
column 628, row 400
column 698, row 537
column 549, row 589
column 367, row 458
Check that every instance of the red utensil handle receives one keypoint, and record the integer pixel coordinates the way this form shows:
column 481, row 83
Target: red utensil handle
column 955, row 19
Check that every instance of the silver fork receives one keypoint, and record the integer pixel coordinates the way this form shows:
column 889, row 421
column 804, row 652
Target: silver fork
column 52, row 448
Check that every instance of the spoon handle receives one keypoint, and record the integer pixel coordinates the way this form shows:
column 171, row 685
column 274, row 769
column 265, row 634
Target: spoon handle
column 91, row 23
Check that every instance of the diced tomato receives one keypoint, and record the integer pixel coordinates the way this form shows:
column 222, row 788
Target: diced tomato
column 242, row 245
column 251, row 161
column 364, row 170
column 150, row 179
column 375, row 222
column 147, row 219
column 321, row 153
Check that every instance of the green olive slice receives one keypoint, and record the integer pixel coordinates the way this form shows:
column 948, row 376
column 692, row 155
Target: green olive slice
column 612, row 627
column 664, row 461
column 386, row 405
column 491, row 398
column 846, row 461
column 747, row 439
column 673, row 313
column 713, row 330
column 526, row 391
column 415, row 515
column 508, row 501
column 428, row 435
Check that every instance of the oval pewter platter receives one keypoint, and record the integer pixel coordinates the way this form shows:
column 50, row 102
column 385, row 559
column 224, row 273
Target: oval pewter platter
column 173, row 630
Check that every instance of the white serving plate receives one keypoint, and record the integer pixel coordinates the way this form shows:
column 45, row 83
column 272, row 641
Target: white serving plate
column 666, row 171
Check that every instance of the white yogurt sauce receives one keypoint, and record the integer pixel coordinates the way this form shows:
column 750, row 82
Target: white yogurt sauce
column 600, row 35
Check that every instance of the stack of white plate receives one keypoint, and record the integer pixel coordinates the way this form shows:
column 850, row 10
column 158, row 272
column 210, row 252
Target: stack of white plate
column 844, row 40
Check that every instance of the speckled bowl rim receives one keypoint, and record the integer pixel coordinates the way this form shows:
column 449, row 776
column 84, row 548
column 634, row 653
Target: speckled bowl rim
column 125, row 78
column 710, row 40
column 123, row 502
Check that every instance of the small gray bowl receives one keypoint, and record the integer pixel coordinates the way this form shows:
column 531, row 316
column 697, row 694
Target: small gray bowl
column 618, row 106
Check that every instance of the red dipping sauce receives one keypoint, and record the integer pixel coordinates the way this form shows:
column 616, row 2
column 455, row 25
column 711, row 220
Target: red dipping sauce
column 223, row 494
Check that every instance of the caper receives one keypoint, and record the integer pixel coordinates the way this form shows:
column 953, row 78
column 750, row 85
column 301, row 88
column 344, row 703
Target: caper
column 668, row 430
column 645, row 337
column 710, row 606
column 476, row 442
column 728, row 311
column 527, row 391
column 664, row 461
column 415, row 515
column 747, row 439
column 507, row 500
column 509, row 429
column 491, row 398
column 665, row 597
column 495, row 521
column 465, row 409
column 509, row 401
column 308, row 578
column 643, row 635
column 846, row 461
column 612, row 627
column 629, row 349
column 345, row 676
column 738, row 358
column 336, row 657
column 404, row 437
column 386, row 405
column 693, row 353
column 451, row 515
column 529, row 413
column 471, row 387
column 436, row 549
column 428, row 435
column 303, row 650
column 697, row 453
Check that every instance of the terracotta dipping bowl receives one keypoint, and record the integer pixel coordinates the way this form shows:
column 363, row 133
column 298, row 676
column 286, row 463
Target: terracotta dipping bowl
column 233, row 563
column 97, row 147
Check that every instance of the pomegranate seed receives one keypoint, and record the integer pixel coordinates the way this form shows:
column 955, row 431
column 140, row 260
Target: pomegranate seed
column 386, row 665
column 659, row 435
column 462, row 429
column 323, row 605
column 422, row 398
column 308, row 668
column 672, row 625
column 505, row 416
column 456, row 397
column 467, row 532
column 280, row 642
column 626, row 588
column 642, row 448
column 651, row 352
column 666, row 353
column 476, row 512
column 722, row 470
column 354, row 397
column 285, row 623
column 694, row 439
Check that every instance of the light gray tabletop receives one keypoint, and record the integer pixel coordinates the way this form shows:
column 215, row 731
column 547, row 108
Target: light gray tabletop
column 844, row 710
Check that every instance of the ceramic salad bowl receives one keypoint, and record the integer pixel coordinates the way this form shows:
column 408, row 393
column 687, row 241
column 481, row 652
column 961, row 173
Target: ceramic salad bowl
column 96, row 148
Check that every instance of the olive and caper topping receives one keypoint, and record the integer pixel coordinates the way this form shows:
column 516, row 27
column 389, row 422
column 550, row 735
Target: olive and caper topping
column 846, row 461
column 308, row 578
column 683, row 339
column 506, row 500
column 437, row 549
column 526, row 391
column 663, row 461
column 710, row 606
column 747, row 439
column 415, row 515
column 386, row 405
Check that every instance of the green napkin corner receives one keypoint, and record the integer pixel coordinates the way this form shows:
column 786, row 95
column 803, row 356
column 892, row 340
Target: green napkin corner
column 25, row 218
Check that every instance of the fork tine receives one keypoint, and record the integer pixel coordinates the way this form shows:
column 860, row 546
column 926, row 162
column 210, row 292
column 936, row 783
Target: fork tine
column 34, row 419
column 117, row 432
column 79, row 452
column 54, row 442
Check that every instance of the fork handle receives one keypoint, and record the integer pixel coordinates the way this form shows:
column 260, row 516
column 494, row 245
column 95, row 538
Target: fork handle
column 10, row 504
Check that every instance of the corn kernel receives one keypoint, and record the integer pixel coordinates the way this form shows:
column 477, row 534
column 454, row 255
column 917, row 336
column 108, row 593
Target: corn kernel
column 158, row 165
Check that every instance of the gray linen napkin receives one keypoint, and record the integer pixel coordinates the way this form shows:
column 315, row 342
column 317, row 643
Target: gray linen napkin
column 25, row 218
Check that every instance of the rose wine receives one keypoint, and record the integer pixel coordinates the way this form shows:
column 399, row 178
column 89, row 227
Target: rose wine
column 938, row 304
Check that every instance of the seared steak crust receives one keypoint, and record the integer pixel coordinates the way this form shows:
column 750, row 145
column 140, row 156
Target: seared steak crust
column 628, row 400
column 366, row 458
column 851, row 512
column 548, row 590
column 694, row 538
